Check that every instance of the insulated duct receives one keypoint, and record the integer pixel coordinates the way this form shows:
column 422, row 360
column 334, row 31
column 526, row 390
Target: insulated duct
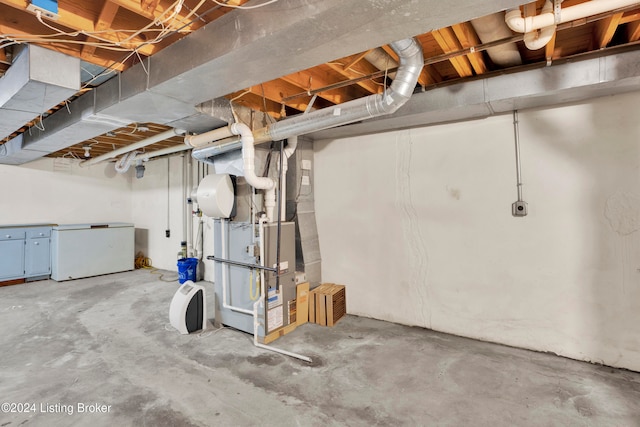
column 381, row 60
column 29, row 88
column 411, row 62
column 491, row 28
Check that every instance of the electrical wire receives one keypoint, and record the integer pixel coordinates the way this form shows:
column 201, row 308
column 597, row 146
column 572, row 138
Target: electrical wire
column 244, row 7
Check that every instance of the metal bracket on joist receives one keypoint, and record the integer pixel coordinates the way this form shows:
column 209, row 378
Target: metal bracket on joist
column 557, row 11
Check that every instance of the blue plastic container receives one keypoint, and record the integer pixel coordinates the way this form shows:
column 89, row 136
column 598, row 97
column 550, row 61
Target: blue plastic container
column 187, row 268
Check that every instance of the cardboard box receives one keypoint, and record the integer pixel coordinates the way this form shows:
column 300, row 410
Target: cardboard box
column 328, row 304
column 302, row 303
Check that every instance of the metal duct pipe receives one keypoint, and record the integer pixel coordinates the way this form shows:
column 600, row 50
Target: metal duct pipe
column 411, row 62
column 211, row 150
column 140, row 144
column 491, row 28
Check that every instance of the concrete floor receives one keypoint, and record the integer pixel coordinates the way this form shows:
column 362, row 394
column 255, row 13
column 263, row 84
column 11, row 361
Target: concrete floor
column 107, row 341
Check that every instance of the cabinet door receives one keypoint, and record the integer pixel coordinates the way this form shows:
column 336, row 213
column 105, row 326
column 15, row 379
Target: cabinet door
column 37, row 257
column 11, row 259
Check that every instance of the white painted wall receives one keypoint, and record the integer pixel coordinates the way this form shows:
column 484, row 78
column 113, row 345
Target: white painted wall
column 59, row 191
column 149, row 212
column 418, row 225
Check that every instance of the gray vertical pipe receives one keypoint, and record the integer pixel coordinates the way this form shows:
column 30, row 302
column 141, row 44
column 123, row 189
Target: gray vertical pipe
column 516, row 132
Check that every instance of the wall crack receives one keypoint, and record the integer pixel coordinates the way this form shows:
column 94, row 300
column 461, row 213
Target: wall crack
column 418, row 257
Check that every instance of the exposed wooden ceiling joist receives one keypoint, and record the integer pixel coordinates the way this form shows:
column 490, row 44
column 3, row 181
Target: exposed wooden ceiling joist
column 447, row 40
column 605, row 29
column 335, row 82
column 467, row 37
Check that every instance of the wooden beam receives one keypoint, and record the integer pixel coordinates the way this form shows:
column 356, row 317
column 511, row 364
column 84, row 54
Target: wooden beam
column 106, row 17
column 356, row 70
column 74, row 19
column 255, row 102
column 20, row 25
column 633, row 31
column 314, row 78
column 278, row 89
column 530, row 9
column 446, row 39
column 630, row 17
column 468, row 38
column 162, row 9
column 149, row 6
column 605, row 29
column 357, row 58
column 550, row 48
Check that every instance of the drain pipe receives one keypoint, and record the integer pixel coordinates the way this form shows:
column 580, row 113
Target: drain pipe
column 260, row 300
column 288, row 152
column 520, row 24
column 248, row 160
column 537, row 39
column 411, row 62
column 140, row 144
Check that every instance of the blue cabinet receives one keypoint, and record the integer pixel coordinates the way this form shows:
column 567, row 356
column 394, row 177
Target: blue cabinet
column 25, row 252
column 37, row 255
column 11, row 259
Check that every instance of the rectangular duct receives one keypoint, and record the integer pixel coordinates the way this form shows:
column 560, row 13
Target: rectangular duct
column 63, row 128
column 37, row 80
column 558, row 84
column 241, row 50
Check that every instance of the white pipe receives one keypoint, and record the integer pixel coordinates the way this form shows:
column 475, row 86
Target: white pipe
column 225, row 267
column 538, row 39
column 189, row 207
column 248, row 159
column 124, row 163
column 256, row 323
column 207, row 137
column 288, row 152
column 520, row 24
column 169, row 150
column 140, row 144
column 184, row 202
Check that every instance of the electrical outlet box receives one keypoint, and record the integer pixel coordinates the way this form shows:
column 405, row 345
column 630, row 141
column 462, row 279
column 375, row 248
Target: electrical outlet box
column 48, row 8
column 519, row 208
